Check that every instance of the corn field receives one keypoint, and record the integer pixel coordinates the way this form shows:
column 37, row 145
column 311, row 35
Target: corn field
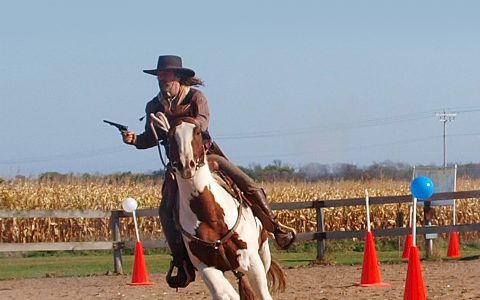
column 104, row 195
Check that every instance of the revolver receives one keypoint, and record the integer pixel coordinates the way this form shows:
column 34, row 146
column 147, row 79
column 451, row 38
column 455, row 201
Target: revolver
column 120, row 127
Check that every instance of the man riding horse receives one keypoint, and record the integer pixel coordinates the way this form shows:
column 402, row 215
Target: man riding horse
column 178, row 98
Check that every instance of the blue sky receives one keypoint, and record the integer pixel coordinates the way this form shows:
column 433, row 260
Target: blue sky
column 305, row 81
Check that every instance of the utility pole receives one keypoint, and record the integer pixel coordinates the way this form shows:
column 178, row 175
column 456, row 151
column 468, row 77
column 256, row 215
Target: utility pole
column 428, row 211
column 445, row 117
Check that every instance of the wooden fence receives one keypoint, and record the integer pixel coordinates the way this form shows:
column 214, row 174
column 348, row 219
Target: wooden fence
column 320, row 235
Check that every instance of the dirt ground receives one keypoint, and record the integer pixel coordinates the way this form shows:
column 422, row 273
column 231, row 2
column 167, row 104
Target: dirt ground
column 443, row 280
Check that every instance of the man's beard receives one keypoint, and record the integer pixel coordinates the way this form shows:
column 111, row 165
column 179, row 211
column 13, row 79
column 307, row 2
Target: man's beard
column 166, row 89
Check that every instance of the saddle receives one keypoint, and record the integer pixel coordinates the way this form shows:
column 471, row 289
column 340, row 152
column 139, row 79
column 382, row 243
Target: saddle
column 227, row 182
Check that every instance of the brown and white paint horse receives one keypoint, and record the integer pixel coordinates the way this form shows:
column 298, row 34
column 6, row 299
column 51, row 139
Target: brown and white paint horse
column 220, row 232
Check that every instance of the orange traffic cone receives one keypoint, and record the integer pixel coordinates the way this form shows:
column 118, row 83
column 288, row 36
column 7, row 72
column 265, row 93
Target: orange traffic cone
column 414, row 286
column 370, row 271
column 140, row 275
column 407, row 246
column 453, row 248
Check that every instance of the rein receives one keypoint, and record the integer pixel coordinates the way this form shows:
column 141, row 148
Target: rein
column 157, row 141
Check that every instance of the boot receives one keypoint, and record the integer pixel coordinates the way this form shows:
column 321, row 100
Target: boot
column 284, row 236
column 185, row 270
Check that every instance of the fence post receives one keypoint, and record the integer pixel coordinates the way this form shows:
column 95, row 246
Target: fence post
column 321, row 229
column 117, row 249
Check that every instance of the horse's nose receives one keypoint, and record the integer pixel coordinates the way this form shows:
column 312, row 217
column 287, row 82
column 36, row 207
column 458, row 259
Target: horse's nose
column 192, row 164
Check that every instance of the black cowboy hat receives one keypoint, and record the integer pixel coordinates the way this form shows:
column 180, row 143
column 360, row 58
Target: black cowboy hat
column 171, row 62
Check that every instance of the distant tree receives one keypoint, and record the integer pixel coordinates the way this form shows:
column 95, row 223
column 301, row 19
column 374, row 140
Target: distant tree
column 278, row 171
column 470, row 170
column 86, row 176
column 159, row 173
column 277, row 163
column 314, row 171
column 52, row 176
column 350, row 172
column 389, row 170
column 250, row 172
column 20, row 177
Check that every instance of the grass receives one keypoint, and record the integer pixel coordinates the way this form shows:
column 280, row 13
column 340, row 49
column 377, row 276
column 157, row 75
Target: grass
column 65, row 265
column 87, row 263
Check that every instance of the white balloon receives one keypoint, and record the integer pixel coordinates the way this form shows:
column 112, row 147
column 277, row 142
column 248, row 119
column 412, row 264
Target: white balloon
column 129, row 204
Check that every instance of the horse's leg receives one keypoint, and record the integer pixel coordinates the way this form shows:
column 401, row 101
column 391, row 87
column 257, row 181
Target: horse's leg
column 255, row 262
column 265, row 255
column 219, row 287
column 257, row 276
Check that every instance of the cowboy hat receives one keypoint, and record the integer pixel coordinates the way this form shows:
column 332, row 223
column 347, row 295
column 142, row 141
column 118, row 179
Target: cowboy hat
column 170, row 62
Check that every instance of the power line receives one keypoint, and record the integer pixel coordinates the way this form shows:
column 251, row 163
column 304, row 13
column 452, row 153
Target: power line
column 341, row 126
column 381, row 121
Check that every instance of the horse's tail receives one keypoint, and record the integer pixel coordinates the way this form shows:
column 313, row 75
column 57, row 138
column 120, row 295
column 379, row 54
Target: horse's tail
column 244, row 289
column 276, row 277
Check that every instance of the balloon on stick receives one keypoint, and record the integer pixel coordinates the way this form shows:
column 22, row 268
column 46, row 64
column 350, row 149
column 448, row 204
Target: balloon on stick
column 422, row 188
column 130, row 205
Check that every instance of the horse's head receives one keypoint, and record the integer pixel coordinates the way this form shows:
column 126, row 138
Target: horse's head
column 186, row 149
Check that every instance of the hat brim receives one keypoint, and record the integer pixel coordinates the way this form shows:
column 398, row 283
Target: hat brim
column 184, row 71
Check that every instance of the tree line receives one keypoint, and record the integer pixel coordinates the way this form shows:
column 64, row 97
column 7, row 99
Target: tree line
column 345, row 171
column 277, row 170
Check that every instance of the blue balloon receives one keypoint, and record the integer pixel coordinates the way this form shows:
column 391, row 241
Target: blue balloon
column 422, row 187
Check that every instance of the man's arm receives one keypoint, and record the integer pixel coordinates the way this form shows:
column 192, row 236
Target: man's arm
column 202, row 112
column 146, row 139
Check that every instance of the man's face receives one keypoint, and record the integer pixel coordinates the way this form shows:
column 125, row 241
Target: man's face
column 168, row 82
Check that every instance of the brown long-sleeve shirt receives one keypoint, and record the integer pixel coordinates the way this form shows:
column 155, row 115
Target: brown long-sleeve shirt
column 197, row 107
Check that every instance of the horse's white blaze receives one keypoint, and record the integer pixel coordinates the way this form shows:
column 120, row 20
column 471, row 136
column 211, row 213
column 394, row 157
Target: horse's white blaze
column 184, row 138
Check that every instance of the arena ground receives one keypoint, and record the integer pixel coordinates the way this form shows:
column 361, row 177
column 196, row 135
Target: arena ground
column 451, row 279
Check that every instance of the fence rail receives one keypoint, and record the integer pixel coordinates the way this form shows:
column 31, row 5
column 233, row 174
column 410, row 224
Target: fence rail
column 320, row 235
